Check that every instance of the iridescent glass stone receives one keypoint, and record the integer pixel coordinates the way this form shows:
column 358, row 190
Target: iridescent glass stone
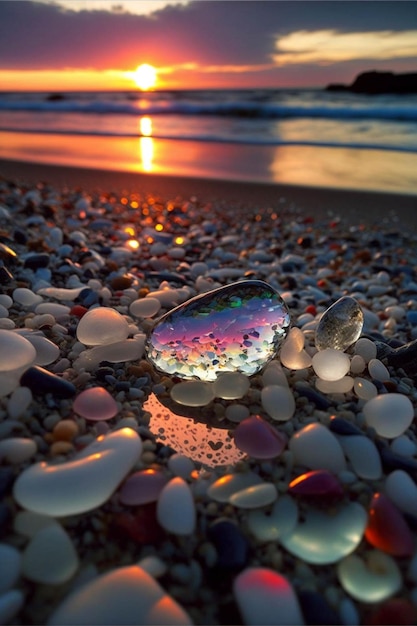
column 236, row 328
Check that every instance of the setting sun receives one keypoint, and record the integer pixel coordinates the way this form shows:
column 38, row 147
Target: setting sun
column 145, row 76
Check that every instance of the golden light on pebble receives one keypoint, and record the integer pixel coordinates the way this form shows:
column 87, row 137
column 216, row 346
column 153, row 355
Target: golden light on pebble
column 132, row 243
column 159, row 227
column 179, row 240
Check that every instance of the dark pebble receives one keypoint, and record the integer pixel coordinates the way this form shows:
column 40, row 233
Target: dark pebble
column 5, row 518
column 412, row 317
column 122, row 386
column 392, row 461
column 36, row 261
column 231, row 544
column 342, row 427
column 41, row 382
column 5, row 275
column 321, row 402
column 169, row 276
column 87, row 297
column 316, row 610
column 101, row 224
column 102, row 372
column 6, row 480
column 405, row 357
column 20, row 236
column 8, row 255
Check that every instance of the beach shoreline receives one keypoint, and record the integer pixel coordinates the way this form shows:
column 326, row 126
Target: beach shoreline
column 352, row 206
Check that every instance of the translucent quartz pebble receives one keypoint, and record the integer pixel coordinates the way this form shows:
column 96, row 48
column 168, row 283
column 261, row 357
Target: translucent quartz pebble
column 259, row 439
column 273, row 374
column 324, row 538
column 223, row 488
column 16, row 352
column 117, row 352
column 176, row 509
column 357, row 364
column 366, row 349
column 292, row 353
column 364, row 389
column 46, row 351
column 278, row 402
column 231, row 386
column 254, row 497
column 10, row 604
column 142, row 487
column 192, row 393
column 387, row 529
column 363, row 456
column 10, row 563
column 271, row 525
column 372, row 579
column 402, row 491
column 181, row 465
column 315, row 447
column 343, row 385
column 316, row 484
column 236, row 328
column 390, row 414
column 377, row 370
column 331, row 364
column 60, row 293
column 52, row 308
column 18, row 402
column 340, row 325
column 50, row 557
column 126, row 595
column 101, row 326
column 90, row 477
column 17, row 449
column 145, row 307
column 265, row 597
column 26, row 297
column 237, row 412
column 95, row 404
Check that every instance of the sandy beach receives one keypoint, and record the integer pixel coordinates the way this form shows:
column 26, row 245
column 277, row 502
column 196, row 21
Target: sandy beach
column 268, row 495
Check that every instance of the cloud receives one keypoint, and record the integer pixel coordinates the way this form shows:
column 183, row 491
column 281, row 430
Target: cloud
column 332, row 46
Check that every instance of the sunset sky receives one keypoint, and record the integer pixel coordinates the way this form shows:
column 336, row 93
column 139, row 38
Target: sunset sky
column 82, row 44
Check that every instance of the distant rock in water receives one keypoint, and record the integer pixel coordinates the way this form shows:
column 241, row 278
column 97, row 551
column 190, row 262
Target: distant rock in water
column 55, row 97
column 373, row 83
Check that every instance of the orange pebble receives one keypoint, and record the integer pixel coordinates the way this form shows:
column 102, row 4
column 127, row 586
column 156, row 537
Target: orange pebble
column 65, row 430
column 61, row 447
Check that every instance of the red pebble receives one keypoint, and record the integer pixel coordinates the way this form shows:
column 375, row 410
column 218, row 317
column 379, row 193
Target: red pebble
column 394, row 611
column 141, row 527
column 387, row 528
column 316, row 484
column 78, row 310
column 311, row 309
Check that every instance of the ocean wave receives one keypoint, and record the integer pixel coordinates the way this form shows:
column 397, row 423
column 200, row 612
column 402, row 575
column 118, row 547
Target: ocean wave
column 244, row 109
column 242, row 140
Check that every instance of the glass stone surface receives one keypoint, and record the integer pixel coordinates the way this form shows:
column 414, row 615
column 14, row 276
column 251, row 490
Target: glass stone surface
column 340, row 325
column 236, row 328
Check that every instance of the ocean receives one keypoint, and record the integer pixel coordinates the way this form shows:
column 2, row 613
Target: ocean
column 294, row 136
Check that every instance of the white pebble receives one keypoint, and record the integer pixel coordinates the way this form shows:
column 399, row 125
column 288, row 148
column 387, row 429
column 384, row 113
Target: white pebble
column 343, row 385
column 102, row 326
column 357, row 364
column 16, row 450
column 315, row 447
column 331, row 364
column 28, row 524
column 145, row 307
column 278, row 402
column 231, row 386
column 181, row 465
column 373, row 579
column 377, row 370
column 273, row 374
column 363, row 455
column 364, row 389
column 390, row 414
column 402, row 490
column 18, row 402
column 271, row 525
column 26, row 297
column 254, row 497
column 175, row 508
column 193, row 393
column 223, row 488
column 50, row 557
column 365, row 348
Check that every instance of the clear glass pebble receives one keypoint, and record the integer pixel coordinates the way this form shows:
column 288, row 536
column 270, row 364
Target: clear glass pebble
column 340, row 325
column 236, row 328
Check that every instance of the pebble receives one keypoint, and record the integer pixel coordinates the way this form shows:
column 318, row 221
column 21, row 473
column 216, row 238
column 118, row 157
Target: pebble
column 10, row 566
column 265, row 597
column 17, row 450
column 316, row 609
column 29, row 524
column 259, row 439
column 364, row 389
column 255, row 496
column 387, row 529
column 117, row 352
column 16, row 355
column 193, row 393
column 231, row 544
column 26, row 297
column 126, row 595
column 316, row 484
column 316, row 448
column 278, row 402
column 102, row 326
column 389, row 414
column 322, row 538
column 145, row 307
column 95, row 403
column 331, row 364
column 176, row 509
column 340, row 325
column 363, row 456
column 292, row 354
column 240, row 326
column 181, row 465
column 46, row 351
column 402, row 491
column 378, row 371
column 11, row 603
column 90, row 477
column 271, row 525
column 373, row 579
column 40, row 382
column 343, row 385
column 223, row 488
column 231, row 386
column 50, row 557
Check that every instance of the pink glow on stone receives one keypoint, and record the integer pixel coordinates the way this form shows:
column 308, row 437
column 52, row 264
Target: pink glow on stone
column 95, row 404
column 259, row 439
column 142, row 487
column 317, row 483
